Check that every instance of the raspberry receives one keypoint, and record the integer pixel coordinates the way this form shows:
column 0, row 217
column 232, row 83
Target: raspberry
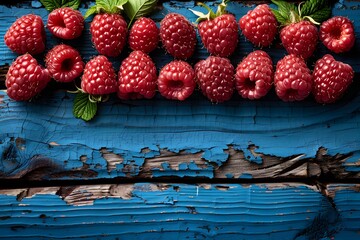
column 331, row 79
column 144, row 35
column 99, row 77
column 64, row 63
column 176, row 80
column 254, row 75
column 215, row 76
column 108, row 33
column 293, row 80
column 337, row 34
column 218, row 31
column 65, row 23
column 259, row 26
column 26, row 35
column 137, row 77
column 26, row 78
column 178, row 36
column 220, row 35
column 300, row 38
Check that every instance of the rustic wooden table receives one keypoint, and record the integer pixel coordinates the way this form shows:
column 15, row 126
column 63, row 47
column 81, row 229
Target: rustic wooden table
column 160, row 169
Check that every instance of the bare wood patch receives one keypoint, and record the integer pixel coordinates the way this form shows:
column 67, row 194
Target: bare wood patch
column 111, row 158
column 234, row 165
column 332, row 189
column 173, row 159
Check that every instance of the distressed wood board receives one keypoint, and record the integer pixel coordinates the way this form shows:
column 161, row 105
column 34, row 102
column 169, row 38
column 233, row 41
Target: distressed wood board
column 181, row 211
column 42, row 140
column 161, row 138
column 160, row 169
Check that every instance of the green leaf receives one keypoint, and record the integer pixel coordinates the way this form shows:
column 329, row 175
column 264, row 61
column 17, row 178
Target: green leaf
column 311, row 6
column 319, row 10
column 84, row 108
column 110, row 6
column 280, row 18
column 285, row 11
column 106, row 6
column 321, row 15
column 135, row 9
column 54, row 4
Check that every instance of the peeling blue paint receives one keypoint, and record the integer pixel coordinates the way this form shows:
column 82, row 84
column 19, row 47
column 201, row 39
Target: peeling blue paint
column 36, row 4
column 288, row 130
column 246, row 176
column 216, row 154
column 180, row 210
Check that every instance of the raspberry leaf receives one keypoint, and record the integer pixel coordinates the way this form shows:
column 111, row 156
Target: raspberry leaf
column 286, row 12
column 319, row 10
column 83, row 107
column 221, row 9
column 315, row 11
column 135, row 9
column 321, row 15
column 106, row 6
column 54, row 4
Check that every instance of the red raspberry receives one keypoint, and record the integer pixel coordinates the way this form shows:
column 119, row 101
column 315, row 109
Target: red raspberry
column 108, row 33
column 144, row 35
column 99, row 77
column 218, row 31
column 259, row 26
column 215, row 76
column 64, row 63
column 254, row 75
column 293, row 80
column 137, row 77
column 337, row 34
column 178, row 35
column 220, row 35
column 176, row 80
column 300, row 38
column 331, row 79
column 65, row 23
column 26, row 35
column 26, row 78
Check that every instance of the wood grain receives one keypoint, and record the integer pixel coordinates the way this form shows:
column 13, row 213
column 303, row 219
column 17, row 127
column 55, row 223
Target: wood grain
column 160, row 138
column 161, row 211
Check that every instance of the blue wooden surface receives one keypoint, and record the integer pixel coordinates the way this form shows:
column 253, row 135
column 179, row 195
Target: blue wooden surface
column 136, row 132
column 160, row 139
column 178, row 211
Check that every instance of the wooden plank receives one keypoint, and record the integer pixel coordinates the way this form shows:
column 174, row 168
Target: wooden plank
column 163, row 211
column 158, row 138
column 346, row 198
column 161, row 138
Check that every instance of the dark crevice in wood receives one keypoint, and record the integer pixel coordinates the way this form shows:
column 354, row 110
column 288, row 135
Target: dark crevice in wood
column 320, row 182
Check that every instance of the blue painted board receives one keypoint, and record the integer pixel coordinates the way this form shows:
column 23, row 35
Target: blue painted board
column 166, row 138
column 195, row 138
column 162, row 139
column 163, row 211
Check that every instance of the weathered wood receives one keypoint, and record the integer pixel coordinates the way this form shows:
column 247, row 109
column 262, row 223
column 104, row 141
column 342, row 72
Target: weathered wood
column 346, row 199
column 265, row 140
column 240, row 138
column 160, row 138
column 162, row 211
